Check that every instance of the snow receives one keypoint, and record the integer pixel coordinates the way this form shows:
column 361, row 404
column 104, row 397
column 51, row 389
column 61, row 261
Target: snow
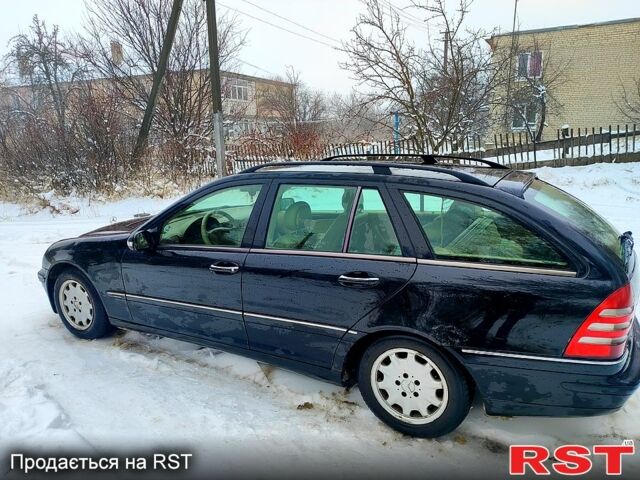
column 136, row 392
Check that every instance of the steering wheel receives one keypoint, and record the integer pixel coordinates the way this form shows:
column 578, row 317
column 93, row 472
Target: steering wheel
column 206, row 233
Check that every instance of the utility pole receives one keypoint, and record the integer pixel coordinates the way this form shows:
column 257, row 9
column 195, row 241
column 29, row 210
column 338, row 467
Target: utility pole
column 510, row 73
column 216, row 94
column 396, row 132
column 167, row 43
column 446, row 49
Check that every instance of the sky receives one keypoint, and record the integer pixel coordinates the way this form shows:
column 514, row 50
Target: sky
column 271, row 49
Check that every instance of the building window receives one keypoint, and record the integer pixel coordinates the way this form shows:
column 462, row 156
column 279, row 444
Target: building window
column 243, row 127
column 522, row 113
column 239, row 89
column 529, row 65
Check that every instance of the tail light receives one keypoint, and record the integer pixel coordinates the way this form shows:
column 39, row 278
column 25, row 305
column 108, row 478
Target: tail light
column 604, row 333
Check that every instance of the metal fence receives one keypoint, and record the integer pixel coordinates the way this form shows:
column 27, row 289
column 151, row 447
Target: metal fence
column 581, row 146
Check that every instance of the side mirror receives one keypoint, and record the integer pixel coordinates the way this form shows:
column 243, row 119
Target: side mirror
column 140, row 240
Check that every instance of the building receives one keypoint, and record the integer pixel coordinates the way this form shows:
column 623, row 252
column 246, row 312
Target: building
column 570, row 76
column 243, row 105
column 243, row 96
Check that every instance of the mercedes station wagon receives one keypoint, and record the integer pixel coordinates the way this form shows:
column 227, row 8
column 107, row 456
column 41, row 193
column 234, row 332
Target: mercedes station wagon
column 426, row 280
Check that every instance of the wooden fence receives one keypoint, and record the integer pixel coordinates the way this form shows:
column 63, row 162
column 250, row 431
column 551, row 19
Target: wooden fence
column 581, row 146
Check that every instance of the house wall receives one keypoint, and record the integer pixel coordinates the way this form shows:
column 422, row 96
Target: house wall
column 600, row 61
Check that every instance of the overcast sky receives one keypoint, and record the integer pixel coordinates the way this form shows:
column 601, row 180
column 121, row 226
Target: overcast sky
column 271, row 49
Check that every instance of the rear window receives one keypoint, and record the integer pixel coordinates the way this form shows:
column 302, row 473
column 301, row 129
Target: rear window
column 577, row 213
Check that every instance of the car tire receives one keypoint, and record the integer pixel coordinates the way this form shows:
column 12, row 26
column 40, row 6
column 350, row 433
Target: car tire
column 413, row 388
column 79, row 306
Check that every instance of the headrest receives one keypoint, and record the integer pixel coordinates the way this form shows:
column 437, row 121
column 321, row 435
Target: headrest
column 296, row 216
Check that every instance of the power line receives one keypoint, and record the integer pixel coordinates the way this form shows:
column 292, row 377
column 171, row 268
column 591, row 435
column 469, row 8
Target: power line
column 292, row 22
column 411, row 21
column 256, row 67
column 403, row 11
column 279, row 27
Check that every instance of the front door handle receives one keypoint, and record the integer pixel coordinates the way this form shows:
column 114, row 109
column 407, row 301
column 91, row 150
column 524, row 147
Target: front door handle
column 225, row 267
column 353, row 279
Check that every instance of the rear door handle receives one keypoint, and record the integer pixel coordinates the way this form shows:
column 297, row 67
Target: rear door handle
column 349, row 280
column 225, row 267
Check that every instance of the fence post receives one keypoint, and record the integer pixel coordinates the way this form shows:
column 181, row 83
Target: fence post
column 610, row 146
column 626, row 136
column 579, row 143
column 520, row 145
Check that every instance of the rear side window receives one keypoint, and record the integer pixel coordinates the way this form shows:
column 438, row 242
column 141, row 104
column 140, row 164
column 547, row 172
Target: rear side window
column 372, row 231
column 577, row 213
column 465, row 231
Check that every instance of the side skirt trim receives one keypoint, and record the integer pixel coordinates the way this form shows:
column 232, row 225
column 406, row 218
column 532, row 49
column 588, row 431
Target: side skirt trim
column 546, row 359
column 129, row 296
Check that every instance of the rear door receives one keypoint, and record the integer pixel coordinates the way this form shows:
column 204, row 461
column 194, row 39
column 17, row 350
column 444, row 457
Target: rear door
column 490, row 281
column 326, row 254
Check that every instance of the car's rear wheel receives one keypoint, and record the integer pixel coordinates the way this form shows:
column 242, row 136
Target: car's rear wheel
column 413, row 388
column 80, row 307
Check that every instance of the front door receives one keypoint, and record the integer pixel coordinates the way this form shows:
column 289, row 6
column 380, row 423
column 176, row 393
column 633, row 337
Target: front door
column 191, row 284
column 329, row 255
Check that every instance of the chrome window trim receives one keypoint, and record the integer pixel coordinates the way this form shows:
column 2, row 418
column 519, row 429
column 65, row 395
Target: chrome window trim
column 183, row 246
column 547, row 359
column 357, row 256
column 300, row 322
column 225, row 310
column 106, row 232
column 496, row 267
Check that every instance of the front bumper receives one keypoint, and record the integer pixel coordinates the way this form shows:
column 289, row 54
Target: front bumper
column 516, row 386
column 42, row 276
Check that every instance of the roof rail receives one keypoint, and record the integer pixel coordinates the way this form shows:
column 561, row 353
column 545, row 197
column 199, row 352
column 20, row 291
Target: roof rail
column 427, row 158
column 379, row 168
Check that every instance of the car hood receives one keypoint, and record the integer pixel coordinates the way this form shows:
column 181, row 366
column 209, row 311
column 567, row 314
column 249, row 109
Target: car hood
column 126, row 226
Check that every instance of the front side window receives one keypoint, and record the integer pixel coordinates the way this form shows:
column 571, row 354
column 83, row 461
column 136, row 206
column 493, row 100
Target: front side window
column 464, row 231
column 372, row 231
column 310, row 217
column 217, row 219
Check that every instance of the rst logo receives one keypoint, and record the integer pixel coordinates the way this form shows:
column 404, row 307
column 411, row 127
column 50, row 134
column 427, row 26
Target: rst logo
column 567, row 459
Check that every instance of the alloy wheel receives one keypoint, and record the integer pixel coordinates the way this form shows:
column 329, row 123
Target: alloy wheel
column 76, row 304
column 409, row 386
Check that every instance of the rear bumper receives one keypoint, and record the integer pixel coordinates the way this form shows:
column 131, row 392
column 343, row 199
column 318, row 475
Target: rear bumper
column 525, row 386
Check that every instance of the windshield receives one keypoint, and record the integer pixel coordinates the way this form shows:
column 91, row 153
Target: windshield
column 576, row 212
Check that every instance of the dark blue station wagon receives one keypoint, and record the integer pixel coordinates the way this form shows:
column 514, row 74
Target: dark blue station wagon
column 424, row 283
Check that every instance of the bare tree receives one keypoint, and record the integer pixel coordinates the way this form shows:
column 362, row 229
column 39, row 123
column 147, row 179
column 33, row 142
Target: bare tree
column 442, row 90
column 122, row 42
column 298, row 111
column 351, row 119
column 629, row 105
column 43, row 62
column 58, row 127
column 531, row 84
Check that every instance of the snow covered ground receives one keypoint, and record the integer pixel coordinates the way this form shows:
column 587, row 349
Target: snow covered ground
column 141, row 393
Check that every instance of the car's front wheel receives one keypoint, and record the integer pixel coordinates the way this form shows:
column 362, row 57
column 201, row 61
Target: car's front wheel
column 80, row 307
column 413, row 388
